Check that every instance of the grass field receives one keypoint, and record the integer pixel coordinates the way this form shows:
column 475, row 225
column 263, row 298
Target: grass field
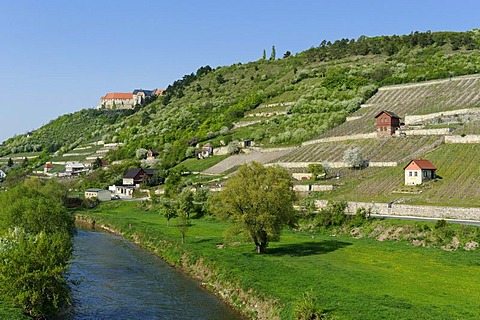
column 198, row 165
column 353, row 279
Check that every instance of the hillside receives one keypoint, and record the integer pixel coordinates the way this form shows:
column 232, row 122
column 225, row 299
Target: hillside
column 323, row 85
column 326, row 91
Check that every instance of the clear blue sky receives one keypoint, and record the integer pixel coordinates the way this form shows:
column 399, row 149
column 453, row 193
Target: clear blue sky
column 60, row 56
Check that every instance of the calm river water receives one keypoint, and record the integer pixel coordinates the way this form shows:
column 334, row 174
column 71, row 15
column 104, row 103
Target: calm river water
column 122, row 281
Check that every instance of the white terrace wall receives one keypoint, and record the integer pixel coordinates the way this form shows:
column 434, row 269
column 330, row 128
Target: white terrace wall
column 469, row 138
column 426, row 132
column 245, row 124
column 343, row 138
column 264, row 150
column 313, row 187
column 338, row 164
column 266, row 114
column 280, row 104
column 301, row 176
column 412, row 210
column 419, row 118
column 352, row 118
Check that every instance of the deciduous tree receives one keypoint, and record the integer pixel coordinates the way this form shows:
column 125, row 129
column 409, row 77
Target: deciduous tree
column 353, row 157
column 259, row 200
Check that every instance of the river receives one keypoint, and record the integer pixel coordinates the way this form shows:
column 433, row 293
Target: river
column 119, row 280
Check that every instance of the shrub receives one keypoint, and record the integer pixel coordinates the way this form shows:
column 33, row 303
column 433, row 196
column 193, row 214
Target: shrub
column 360, row 216
column 307, row 307
column 332, row 215
column 233, row 147
column 440, row 224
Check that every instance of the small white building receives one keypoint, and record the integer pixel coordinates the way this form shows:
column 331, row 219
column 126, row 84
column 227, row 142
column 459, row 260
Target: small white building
column 74, row 168
column 126, row 191
column 419, row 170
column 100, row 194
column 2, row 175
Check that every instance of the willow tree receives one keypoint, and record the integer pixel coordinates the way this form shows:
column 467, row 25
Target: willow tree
column 259, row 200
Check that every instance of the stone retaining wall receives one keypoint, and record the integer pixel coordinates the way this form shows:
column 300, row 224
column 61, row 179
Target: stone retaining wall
column 272, row 149
column 426, row 132
column 301, row 176
column 419, row 118
column 412, row 210
column 348, row 119
column 371, row 135
column 313, row 187
column 280, row 104
column 245, row 124
column 338, row 164
column 266, row 114
column 74, row 154
column 469, row 138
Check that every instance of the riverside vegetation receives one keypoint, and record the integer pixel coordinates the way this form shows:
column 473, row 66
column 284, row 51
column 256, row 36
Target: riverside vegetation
column 35, row 246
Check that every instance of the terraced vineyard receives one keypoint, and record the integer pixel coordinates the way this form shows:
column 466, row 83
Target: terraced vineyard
column 414, row 99
column 382, row 149
column 458, row 183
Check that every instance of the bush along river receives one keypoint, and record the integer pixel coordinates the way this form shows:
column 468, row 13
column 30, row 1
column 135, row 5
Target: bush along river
column 118, row 280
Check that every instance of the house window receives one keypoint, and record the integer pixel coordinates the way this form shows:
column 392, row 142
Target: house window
column 415, row 174
column 424, row 174
column 409, row 173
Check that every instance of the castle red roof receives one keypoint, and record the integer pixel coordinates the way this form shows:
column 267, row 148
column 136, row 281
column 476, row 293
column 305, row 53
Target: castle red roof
column 118, row 95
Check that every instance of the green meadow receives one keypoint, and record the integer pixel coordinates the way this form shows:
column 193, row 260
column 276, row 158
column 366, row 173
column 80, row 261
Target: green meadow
column 352, row 278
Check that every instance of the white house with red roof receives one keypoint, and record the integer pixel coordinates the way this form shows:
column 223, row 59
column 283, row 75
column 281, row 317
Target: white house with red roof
column 47, row 167
column 419, row 170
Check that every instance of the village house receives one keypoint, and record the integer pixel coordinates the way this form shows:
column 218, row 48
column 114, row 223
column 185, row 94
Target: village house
column 47, row 167
column 387, row 123
column 73, row 168
column 131, row 180
column 419, row 170
column 205, row 151
column 100, row 194
column 134, row 177
column 151, row 154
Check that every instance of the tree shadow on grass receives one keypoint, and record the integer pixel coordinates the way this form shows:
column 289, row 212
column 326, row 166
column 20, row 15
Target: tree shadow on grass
column 308, row 248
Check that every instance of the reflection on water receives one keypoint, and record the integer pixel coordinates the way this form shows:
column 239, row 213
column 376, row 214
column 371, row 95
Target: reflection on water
column 122, row 281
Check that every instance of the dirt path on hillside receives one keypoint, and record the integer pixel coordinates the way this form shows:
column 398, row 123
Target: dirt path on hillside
column 230, row 162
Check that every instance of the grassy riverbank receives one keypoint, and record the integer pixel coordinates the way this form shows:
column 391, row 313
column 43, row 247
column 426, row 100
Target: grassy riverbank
column 352, row 278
